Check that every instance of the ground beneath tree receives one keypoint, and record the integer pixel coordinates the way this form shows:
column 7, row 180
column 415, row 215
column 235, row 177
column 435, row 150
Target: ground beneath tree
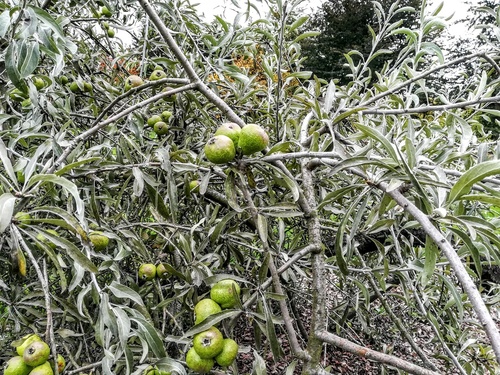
column 378, row 334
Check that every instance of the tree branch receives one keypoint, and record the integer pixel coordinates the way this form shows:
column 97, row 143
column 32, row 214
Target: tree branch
column 373, row 354
column 455, row 262
column 420, row 76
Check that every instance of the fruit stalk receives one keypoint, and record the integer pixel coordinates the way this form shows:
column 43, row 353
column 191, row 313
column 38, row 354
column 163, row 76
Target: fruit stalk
column 45, row 288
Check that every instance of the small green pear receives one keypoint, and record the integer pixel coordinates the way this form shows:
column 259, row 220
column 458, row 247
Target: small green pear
column 165, row 115
column 111, row 33
column 36, row 353
column 153, row 120
column 99, row 240
column 231, row 130
column 220, row 149
column 61, row 363
column 147, row 272
column 43, row 369
column 160, row 128
column 133, row 81
column 25, row 341
column 157, row 74
column 16, row 366
column 106, row 12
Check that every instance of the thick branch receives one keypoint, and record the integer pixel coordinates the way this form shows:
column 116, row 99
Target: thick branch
column 372, row 354
column 455, row 262
column 318, row 309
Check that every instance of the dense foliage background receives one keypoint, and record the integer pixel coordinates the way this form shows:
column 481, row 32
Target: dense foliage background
column 370, row 225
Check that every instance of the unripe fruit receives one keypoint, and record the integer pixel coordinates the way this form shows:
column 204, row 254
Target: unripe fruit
column 228, row 353
column 87, row 86
column 161, row 271
column 74, row 87
column 165, row 115
column 43, row 369
column 63, row 80
column 61, row 363
column 147, row 272
column 99, row 240
column 204, row 309
column 160, row 128
column 225, row 293
column 231, row 130
column 39, row 83
column 252, row 139
column 16, row 366
column 111, row 33
column 198, row 364
column 153, row 120
column 106, row 12
column 36, row 353
column 169, row 98
column 209, row 343
column 133, row 81
column 26, row 340
column 157, row 74
column 194, row 186
column 220, row 149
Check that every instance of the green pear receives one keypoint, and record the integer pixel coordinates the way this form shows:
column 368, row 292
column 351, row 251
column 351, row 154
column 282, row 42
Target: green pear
column 99, row 240
column 36, row 353
column 253, row 138
column 133, row 81
column 106, row 12
column 231, row 130
column 61, row 363
column 24, row 342
column 157, row 74
column 165, row 115
column 160, row 128
column 43, row 369
column 16, row 366
column 153, row 120
column 220, row 149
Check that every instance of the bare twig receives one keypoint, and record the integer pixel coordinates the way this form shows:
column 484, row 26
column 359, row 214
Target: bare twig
column 373, row 354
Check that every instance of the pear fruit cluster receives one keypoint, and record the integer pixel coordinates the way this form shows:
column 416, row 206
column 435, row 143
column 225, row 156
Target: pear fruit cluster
column 148, row 271
column 33, row 358
column 230, row 138
column 159, row 122
column 210, row 347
